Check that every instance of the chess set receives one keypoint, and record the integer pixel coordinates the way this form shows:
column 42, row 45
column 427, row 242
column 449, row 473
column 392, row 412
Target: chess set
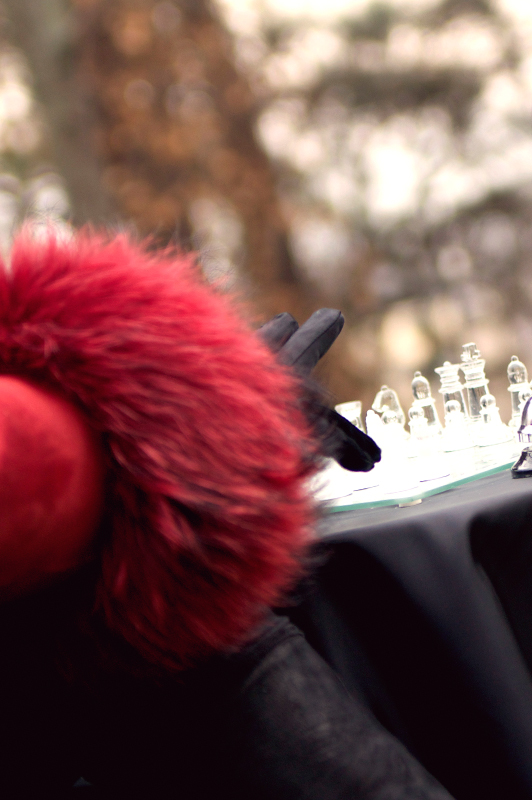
column 422, row 455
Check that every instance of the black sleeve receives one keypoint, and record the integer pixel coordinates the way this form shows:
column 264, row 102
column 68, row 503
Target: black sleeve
column 295, row 733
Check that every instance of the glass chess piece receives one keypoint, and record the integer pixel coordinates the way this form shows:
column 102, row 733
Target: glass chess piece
column 374, row 426
column 394, row 471
column 523, row 466
column 334, row 482
column 423, row 399
column 426, row 446
column 457, row 442
column 518, row 380
column 476, row 383
column 456, row 434
column 491, row 429
column 386, row 399
column 352, row 411
column 451, row 388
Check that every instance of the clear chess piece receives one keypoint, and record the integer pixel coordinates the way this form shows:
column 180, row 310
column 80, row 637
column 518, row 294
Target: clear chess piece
column 387, row 399
column 476, row 383
column 456, row 434
column 518, row 380
column 417, row 420
column 451, row 388
column 352, row 411
column 394, row 470
column 392, row 430
column 424, row 400
column 426, row 446
column 523, row 466
column 492, row 429
column 457, row 441
column 374, row 426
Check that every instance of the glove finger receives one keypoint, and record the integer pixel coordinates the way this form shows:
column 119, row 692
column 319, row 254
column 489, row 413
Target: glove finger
column 353, row 449
column 276, row 332
column 307, row 345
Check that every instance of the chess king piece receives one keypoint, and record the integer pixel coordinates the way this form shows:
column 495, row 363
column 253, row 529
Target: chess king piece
column 523, row 466
column 451, row 388
column 386, row 399
column 476, row 383
column 424, row 400
column 518, row 379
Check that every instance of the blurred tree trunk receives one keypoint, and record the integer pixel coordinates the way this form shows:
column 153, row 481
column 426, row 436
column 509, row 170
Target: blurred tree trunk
column 45, row 32
column 176, row 123
column 148, row 114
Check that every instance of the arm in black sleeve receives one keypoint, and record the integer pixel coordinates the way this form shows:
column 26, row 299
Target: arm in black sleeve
column 297, row 734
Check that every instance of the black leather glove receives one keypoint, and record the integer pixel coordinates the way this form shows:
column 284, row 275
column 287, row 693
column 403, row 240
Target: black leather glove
column 301, row 348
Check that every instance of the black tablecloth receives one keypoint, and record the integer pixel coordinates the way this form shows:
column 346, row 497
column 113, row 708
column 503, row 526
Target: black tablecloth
column 426, row 612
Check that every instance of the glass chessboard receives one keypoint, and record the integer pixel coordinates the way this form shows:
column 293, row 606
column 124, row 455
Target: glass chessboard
column 421, row 455
column 340, row 490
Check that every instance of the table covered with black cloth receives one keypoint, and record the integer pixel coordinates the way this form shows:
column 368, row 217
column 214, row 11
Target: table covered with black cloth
column 426, row 612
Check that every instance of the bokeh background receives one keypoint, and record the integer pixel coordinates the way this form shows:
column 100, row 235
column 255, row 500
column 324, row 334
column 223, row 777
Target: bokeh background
column 371, row 156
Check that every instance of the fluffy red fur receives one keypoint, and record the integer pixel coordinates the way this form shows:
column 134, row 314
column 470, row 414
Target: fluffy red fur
column 209, row 453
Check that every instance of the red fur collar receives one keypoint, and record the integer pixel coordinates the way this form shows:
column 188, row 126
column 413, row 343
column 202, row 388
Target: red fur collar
column 208, row 453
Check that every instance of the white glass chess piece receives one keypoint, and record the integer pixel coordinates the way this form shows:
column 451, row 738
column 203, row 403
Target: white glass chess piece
column 456, row 434
column 476, row 383
column 491, row 429
column 352, row 411
column 386, row 399
column 457, row 442
column 426, row 446
column 394, row 470
column 374, row 426
column 451, row 388
column 423, row 399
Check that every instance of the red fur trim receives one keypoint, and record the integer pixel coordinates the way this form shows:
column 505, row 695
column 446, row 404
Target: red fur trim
column 209, row 513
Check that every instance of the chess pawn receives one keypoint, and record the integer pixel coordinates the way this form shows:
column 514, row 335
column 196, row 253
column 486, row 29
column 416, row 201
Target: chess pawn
column 518, row 379
column 393, row 431
column 491, row 430
column 424, row 400
column 476, row 383
column 426, row 446
column 419, row 432
column 456, row 434
column 387, row 399
column 374, row 426
column 394, row 471
column 424, row 437
column 451, row 388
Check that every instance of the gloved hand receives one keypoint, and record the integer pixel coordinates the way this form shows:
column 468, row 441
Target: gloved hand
column 301, row 348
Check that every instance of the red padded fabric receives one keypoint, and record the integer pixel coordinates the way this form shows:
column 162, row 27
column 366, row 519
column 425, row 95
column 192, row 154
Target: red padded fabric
column 51, row 486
